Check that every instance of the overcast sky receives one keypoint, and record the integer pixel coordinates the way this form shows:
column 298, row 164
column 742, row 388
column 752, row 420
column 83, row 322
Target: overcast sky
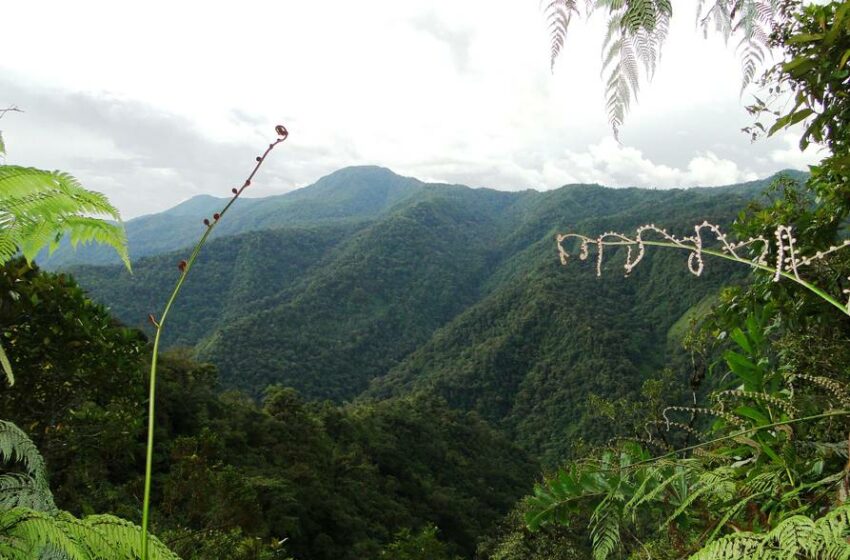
column 155, row 102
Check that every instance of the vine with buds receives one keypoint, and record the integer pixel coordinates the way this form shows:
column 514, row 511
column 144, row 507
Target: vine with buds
column 787, row 264
column 184, row 266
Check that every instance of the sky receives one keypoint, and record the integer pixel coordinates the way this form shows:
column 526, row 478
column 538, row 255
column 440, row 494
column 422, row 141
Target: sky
column 153, row 103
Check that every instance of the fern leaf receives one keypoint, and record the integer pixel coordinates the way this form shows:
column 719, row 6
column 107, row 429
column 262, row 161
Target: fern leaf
column 17, row 447
column 605, row 535
column 124, row 538
column 35, row 534
column 559, row 13
column 37, row 207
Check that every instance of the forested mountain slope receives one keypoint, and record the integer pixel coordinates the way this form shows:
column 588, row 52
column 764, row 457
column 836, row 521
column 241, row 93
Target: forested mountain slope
column 350, row 194
column 436, row 288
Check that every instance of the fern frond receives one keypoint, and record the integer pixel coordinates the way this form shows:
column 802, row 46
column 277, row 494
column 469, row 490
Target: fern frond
column 17, row 447
column 34, row 534
column 559, row 13
column 796, row 537
column 124, row 538
column 605, row 534
column 37, row 207
column 21, row 490
column 748, row 19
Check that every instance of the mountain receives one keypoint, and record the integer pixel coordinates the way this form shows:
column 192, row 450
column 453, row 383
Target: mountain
column 350, row 194
column 385, row 286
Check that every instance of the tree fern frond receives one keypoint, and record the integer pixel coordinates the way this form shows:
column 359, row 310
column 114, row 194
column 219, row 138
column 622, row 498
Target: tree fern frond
column 36, row 534
column 636, row 32
column 559, row 13
column 748, row 19
column 21, row 490
column 37, row 207
column 605, row 534
column 796, row 537
column 124, row 539
column 17, row 447
column 32, row 532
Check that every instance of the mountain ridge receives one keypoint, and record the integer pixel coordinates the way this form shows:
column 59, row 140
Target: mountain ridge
column 354, row 193
column 445, row 290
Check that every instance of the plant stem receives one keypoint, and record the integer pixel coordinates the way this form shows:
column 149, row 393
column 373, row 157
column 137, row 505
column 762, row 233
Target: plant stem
column 159, row 325
column 808, row 285
column 741, row 433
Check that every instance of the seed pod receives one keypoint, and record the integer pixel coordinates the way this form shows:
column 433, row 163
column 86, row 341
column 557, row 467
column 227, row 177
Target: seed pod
column 281, row 131
column 259, row 158
column 234, row 190
column 206, row 222
column 181, row 265
column 216, row 216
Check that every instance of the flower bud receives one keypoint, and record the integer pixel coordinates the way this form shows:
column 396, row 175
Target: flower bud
column 216, row 216
column 206, row 222
column 281, row 131
column 182, row 266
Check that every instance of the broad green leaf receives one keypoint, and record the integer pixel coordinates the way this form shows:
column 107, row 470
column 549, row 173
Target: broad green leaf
column 746, row 370
column 741, row 339
column 753, row 414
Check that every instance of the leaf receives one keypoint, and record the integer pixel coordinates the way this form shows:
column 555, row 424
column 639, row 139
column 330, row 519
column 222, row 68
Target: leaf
column 746, row 370
column 42, row 205
column 741, row 339
column 7, row 366
column 753, row 414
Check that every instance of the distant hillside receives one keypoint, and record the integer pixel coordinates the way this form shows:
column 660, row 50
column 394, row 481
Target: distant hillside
column 350, row 194
column 388, row 286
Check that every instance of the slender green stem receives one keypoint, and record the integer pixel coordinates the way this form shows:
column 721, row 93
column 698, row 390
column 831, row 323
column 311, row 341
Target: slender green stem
column 160, row 324
column 740, row 433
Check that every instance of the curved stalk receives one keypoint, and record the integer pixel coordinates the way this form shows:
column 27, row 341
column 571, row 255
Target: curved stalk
column 845, row 309
column 185, row 267
column 740, row 433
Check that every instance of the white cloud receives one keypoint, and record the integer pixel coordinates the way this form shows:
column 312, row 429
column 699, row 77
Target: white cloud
column 154, row 109
column 610, row 163
column 793, row 157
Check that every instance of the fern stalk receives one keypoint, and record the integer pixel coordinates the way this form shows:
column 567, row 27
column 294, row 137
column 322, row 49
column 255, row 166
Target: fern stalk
column 185, row 267
column 740, row 433
column 808, row 285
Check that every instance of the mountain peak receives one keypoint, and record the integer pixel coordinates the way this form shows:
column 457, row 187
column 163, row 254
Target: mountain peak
column 365, row 173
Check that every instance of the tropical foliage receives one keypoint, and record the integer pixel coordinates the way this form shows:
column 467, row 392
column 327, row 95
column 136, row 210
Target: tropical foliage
column 36, row 209
column 31, row 526
column 767, row 476
column 636, row 31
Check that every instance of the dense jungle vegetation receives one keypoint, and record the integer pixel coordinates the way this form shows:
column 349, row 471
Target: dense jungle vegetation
column 375, row 367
